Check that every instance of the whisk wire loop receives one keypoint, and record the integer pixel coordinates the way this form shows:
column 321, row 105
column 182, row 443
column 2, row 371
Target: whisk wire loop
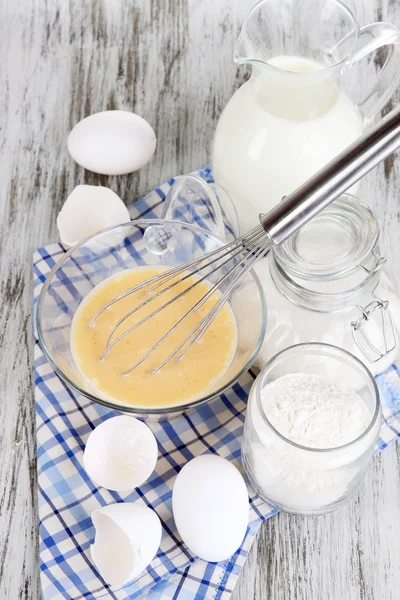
column 244, row 250
column 173, row 271
column 189, row 274
column 240, row 268
column 198, row 331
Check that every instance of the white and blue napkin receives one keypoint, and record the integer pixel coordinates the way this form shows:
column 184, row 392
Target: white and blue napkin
column 67, row 496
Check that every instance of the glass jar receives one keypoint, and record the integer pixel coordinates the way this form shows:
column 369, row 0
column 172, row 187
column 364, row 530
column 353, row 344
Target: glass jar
column 296, row 478
column 327, row 284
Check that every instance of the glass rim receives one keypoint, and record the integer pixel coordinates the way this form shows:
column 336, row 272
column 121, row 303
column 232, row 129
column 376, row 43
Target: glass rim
column 303, row 347
column 146, row 412
column 356, row 212
column 256, row 61
column 321, row 302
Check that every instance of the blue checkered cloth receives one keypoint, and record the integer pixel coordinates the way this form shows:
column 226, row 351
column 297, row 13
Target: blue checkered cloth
column 67, row 496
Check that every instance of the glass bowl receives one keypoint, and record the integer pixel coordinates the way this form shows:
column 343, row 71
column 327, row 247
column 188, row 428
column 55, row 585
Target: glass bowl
column 138, row 243
column 296, row 478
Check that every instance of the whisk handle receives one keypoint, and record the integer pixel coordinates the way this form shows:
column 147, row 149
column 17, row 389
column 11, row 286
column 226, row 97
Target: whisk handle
column 333, row 179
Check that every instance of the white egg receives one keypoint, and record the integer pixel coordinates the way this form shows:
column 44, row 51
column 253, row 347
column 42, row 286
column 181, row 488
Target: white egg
column 120, row 454
column 211, row 507
column 87, row 210
column 112, row 142
column 127, row 539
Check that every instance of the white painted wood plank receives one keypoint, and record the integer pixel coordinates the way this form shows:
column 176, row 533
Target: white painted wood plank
column 170, row 61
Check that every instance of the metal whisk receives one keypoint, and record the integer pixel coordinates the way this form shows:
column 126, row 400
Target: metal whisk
column 292, row 213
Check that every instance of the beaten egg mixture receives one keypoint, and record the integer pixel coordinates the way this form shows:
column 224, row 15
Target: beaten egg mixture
column 179, row 381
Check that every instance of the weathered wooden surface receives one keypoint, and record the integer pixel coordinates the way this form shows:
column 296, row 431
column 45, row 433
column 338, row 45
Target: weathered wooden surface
column 170, row 61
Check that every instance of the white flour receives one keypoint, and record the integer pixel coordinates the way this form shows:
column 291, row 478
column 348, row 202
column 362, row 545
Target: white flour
column 314, row 411
column 317, row 413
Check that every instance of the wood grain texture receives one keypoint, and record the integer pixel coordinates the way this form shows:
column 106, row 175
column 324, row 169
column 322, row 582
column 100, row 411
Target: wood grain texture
column 171, row 62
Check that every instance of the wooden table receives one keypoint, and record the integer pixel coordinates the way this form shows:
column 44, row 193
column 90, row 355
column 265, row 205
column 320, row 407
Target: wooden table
column 171, row 62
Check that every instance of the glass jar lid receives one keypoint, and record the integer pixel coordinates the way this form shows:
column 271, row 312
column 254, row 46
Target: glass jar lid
column 337, row 242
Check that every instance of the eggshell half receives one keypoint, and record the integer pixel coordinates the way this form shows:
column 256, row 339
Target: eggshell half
column 127, row 539
column 87, row 210
column 211, row 507
column 113, row 142
column 120, row 454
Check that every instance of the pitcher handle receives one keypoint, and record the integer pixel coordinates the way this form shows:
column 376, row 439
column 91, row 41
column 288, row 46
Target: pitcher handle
column 372, row 37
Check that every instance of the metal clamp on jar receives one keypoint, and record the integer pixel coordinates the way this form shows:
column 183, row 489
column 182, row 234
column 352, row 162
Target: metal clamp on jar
column 326, row 283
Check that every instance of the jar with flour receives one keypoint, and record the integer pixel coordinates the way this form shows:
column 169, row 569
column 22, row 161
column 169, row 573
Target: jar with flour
column 328, row 283
column 309, row 436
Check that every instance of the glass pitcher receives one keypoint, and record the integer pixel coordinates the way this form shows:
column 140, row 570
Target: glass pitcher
column 293, row 115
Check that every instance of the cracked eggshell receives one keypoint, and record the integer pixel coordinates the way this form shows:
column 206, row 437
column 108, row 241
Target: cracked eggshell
column 127, row 539
column 120, row 454
column 87, row 210
column 113, row 142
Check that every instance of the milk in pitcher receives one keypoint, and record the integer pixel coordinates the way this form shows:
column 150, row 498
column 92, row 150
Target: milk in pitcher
column 277, row 131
